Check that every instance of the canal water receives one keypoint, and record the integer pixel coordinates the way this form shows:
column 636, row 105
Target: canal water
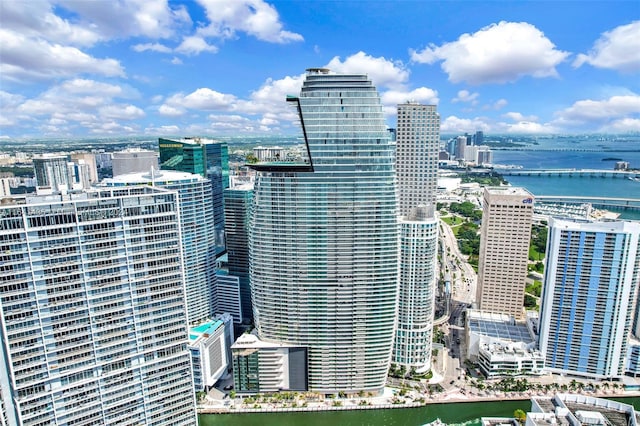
column 464, row 413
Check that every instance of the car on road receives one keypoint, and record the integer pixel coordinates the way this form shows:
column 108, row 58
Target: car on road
column 229, row 387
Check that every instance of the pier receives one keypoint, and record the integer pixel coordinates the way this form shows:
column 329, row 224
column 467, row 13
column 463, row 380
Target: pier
column 594, row 173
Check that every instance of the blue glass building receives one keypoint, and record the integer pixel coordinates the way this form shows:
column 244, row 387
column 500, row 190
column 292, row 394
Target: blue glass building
column 588, row 297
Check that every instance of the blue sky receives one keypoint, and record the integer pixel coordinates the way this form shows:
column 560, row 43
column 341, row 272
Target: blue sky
column 78, row 68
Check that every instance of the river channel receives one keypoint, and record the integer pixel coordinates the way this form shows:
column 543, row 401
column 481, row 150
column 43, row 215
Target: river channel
column 467, row 413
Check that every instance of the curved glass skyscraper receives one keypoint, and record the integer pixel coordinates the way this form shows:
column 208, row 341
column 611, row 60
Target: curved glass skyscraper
column 323, row 242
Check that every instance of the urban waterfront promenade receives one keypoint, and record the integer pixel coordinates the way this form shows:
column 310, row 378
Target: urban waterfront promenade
column 410, row 400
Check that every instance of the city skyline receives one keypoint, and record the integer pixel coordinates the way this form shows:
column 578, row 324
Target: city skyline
column 169, row 68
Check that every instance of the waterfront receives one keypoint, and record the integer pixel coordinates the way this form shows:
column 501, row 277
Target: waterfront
column 587, row 186
column 467, row 413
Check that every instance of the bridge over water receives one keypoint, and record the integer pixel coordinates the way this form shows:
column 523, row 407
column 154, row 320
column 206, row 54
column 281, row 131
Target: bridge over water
column 595, row 173
column 606, row 203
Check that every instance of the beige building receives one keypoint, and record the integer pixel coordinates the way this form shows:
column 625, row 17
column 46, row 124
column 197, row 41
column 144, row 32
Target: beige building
column 504, row 250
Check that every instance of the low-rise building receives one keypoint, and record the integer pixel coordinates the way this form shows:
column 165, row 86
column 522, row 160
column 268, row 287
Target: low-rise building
column 209, row 345
column 260, row 366
column 514, row 359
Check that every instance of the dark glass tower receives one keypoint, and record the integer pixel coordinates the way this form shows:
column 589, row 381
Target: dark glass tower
column 204, row 157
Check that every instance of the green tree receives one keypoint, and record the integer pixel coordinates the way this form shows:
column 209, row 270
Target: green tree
column 520, row 415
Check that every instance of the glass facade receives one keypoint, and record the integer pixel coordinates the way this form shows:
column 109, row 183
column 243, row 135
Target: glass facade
column 204, row 157
column 93, row 318
column 323, row 244
column 237, row 206
column 588, row 297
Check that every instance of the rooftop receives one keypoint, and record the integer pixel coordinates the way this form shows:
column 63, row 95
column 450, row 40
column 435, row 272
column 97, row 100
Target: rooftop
column 205, row 328
column 581, row 409
column 498, row 325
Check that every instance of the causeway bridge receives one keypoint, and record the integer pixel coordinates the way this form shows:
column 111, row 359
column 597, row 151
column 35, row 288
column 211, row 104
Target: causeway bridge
column 606, row 203
column 595, row 173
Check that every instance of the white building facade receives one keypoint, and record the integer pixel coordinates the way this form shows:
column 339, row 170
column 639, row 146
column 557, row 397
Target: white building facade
column 92, row 318
column 197, row 231
column 417, row 144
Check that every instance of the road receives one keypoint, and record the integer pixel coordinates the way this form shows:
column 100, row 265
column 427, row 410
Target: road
column 463, row 293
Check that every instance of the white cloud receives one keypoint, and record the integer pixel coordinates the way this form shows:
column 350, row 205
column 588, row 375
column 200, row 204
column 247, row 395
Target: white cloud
column 381, row 71
column 36, row 19
column 499, row 104
column 126, row 18
column 194, row 45
column 253, row 17
column 615, row 107
column 624, row 125
column 171, row 129
column 176, row 61
column 169, row 111
column 76, row 106
column 27, row 59
column 498, row 53
column 423, row 95
column 121, row 112
column 618, row 49
column 516, row 116
column 466, row 96
column 154, row 47
column 453, row 124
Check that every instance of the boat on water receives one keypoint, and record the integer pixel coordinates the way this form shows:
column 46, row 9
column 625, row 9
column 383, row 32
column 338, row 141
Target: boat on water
column 635, row 179
column 436, row 422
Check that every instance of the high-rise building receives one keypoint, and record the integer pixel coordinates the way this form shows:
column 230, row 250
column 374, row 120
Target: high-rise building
column 505, row 234
column 92, row 313
column 88, row 159
column 417, row 144
column 484, row 156
column 588, row 298
column 238, row 200
column 461, row 145
column 478, row 138
column 133, row 161
column 205, row 157
column 52, row 172
column 323, row 239
column 198, row 237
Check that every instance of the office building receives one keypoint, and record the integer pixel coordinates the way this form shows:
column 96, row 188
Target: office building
column 198, row 237
column 505, row 234
column 133, row 161
column 227, row 295
column 204, row 157
column 93, row 317
column 323, row 239
column 478, row 138
column 238, row 200
column 589, row 296
column 52, row 173
column 461, row 145
column 417, row 144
